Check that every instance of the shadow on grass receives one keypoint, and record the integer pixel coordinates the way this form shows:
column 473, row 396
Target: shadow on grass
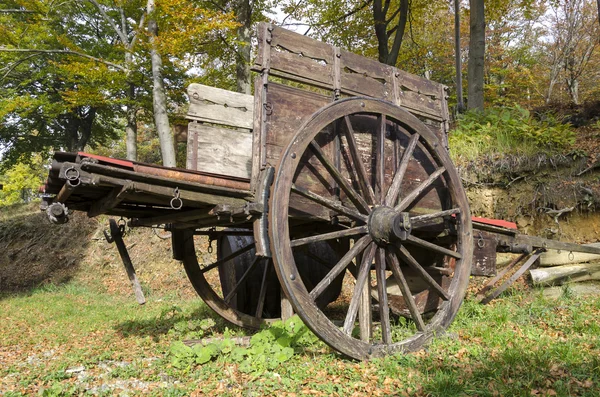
column 174, row 320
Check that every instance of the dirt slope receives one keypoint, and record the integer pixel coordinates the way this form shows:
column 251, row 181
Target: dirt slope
column 34, row 252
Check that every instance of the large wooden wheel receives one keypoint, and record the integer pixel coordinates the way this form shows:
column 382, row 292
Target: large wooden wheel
column 366, row 170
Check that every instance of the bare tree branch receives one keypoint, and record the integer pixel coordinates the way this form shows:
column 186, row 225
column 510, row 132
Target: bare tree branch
column 67, row 52
column 14, row 65
column 14, row 11
column 122, row 35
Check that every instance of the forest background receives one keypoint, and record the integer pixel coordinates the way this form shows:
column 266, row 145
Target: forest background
column 109, row 76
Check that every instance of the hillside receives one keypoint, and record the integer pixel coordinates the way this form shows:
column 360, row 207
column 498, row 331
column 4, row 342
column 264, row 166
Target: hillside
column 34, row 252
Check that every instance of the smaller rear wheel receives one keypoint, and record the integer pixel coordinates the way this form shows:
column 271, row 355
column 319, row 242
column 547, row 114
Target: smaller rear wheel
column 242, row 287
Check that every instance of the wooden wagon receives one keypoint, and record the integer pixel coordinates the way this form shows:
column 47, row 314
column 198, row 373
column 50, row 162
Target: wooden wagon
column 329, row 193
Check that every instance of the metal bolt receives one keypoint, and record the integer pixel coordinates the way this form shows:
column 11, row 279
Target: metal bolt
column 362, row 104
column 293, row 155
column 292, row 277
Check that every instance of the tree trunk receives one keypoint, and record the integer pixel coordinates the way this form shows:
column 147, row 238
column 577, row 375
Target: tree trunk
column 131, row 128
column 568, row 273
column 573, row 87
column 159, row 98
column 86, row 127
column 381, row 19
column 242, row 69
column 475, row 70
column 460, row 105
column 131, row 113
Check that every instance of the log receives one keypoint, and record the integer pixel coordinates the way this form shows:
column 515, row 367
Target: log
column 554, row 258
column 559, row 275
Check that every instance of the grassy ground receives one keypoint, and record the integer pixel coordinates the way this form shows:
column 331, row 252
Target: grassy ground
column 80, row 332
column 73, row 339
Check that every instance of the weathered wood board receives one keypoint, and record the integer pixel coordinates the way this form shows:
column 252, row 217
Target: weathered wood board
column 219, row 138
column 484, row 254
column 218, row 106
column 219, row 150
column 555, row 258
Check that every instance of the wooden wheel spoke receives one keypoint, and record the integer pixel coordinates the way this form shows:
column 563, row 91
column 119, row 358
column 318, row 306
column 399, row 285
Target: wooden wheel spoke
column 329, row 236
column 412, row 262
column 363, row 274
column 422, row 220
column 394, row 190
column 433, row 247
column 406, row 294
column 333, row 205
column 242, row 279
column 358, row 247
column 380, row 159
column 356, row 198
column 227, row 258
column 384, row 311
column 363, row 178
column 406, row 201
column 263, row 289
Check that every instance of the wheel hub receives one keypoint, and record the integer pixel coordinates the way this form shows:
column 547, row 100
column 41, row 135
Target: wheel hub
column 387, row 225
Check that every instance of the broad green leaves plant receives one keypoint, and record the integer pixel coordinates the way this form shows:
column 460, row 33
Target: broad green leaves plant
column 268, row 348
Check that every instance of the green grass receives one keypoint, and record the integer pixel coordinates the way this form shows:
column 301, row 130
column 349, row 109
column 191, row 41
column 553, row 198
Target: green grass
column 519, row 345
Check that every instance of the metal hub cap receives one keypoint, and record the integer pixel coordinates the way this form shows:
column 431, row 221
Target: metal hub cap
column 387, row 225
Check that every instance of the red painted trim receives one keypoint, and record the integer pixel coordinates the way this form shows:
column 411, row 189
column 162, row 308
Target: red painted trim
column 495, row 222
column 122, row 163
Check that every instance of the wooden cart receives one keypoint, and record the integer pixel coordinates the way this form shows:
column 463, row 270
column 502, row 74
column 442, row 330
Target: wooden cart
column 329, row 193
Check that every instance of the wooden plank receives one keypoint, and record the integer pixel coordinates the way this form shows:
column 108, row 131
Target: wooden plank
column 258, row 151
column 484, row 254
column 353, row 63
column 360, row 84
column 308, row 68
column 218, row 106
column 410, row 82
column 300, row 44
column 290, row 108
column 421, row 104
column 223, row 151
column 554, row 257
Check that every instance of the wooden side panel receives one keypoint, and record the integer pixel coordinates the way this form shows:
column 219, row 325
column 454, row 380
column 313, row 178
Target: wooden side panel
column 411, row 82
column 484, row 254
column 289, row 108
column 218, row 106
column 302, row 68
column 298, row 58
column 219, row 150
column 363, row 76
column 300, row 44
